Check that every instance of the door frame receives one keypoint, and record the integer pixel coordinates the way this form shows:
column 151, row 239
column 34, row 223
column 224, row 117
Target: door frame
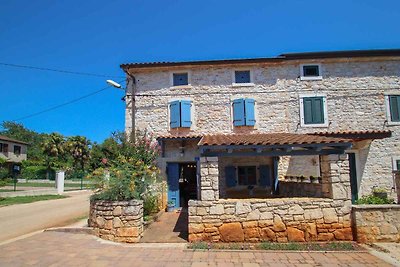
column 180, row 163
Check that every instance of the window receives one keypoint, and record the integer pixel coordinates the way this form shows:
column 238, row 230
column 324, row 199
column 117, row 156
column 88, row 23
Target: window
column 310, row 72
column 396, row 163
column 3, row 148
column 393, row 103
column 179, row 79
column 313, row 111
column 244, row 112
column 247, row 175
column 242, row 76
column 180, row 114
column 17, row 150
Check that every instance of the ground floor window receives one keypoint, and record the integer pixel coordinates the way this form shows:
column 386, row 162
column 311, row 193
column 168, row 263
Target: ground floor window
column 247, row 175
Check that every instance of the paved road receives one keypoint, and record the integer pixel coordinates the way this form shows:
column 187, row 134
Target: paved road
column 21, row 219
column 75, row 249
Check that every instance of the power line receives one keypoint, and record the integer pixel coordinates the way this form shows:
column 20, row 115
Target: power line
column 61, row 71
column 62, row 105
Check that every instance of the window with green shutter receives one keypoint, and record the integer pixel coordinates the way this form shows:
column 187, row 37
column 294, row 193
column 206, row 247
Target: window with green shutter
column 394, row 106
column 313, row 110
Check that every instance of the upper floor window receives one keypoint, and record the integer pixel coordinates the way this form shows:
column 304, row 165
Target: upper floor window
column 180, row 114
column 179, row 79
column 393, row 108
column 244, row 112
column 3, row 147
column 17, row 150
column 313, row 111
column 396, row 163
column 310, row 72
column 242, row 76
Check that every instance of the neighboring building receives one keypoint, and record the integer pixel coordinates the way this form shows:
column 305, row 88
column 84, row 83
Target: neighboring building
column 13, row 151
column 261, row 128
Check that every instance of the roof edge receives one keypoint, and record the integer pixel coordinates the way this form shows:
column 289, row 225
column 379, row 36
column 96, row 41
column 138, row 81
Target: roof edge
column 279, row 58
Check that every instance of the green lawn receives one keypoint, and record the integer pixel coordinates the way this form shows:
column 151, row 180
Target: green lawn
column 37, row 184
column 27, row 199
column 8, row 190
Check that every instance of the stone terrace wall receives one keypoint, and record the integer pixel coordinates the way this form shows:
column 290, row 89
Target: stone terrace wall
column 277, row 220
column 299, row 189
column 120, row 221
column 376, row 223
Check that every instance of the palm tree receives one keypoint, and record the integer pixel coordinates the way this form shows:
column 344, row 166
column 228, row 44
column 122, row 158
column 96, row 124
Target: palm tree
column 53, row 147
column 78, row 147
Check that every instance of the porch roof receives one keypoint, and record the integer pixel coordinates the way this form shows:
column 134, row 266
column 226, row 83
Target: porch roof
column 271, row 144
column 266, row 139
column 358, row 135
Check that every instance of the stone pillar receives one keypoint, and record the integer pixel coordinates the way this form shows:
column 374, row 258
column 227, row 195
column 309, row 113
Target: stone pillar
column 209, row 182
column 335, row 173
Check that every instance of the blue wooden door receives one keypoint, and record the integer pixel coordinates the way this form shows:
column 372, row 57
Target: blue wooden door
column 173, row 183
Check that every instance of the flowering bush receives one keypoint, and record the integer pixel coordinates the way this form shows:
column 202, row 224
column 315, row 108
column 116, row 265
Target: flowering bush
column 132, row 174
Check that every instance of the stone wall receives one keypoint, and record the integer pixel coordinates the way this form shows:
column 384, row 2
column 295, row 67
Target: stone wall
column 120, row 221
column 354, row 89
column 299, row 189
column 276, row 220
column 376, row 223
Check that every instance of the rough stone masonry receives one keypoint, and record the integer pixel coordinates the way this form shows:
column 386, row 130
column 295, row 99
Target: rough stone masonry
column 279, row 220
column 120, row 221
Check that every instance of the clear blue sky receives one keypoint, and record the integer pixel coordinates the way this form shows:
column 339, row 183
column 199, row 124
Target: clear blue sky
column 97, row 36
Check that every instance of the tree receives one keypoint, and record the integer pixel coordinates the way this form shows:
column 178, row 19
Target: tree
column 78, row 147
column 54, row 150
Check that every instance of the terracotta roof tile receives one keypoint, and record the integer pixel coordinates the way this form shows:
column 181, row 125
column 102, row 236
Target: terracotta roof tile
column 268, row 139
column 358, row 135
column 180, row 136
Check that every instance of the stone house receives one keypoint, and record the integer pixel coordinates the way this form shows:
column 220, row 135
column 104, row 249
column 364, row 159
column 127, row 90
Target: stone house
column 13, row 151
column 271, row 148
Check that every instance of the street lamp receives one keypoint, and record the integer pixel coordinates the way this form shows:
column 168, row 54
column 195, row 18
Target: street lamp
column 117, row 85
column 114, row 84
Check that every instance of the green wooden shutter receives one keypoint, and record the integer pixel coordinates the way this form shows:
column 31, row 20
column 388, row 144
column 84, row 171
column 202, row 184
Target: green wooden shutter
column 313, row 110
column 307, row 105
column 394, row 104
column 318, row 110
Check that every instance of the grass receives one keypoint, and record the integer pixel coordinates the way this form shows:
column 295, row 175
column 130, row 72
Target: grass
column 6, row 201
column 8, row 190
column 312, row 246
column 37, row 184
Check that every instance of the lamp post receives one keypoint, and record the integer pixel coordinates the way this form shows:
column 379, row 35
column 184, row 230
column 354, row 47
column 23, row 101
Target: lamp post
column 132, row 95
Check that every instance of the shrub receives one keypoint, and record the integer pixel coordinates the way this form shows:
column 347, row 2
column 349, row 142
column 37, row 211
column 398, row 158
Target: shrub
column 36, row 172
column 132, row 175
column 371, row 199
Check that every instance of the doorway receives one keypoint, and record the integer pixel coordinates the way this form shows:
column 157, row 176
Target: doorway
column 182, row 183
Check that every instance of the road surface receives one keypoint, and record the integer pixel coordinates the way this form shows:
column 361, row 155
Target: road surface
column 21, row 219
